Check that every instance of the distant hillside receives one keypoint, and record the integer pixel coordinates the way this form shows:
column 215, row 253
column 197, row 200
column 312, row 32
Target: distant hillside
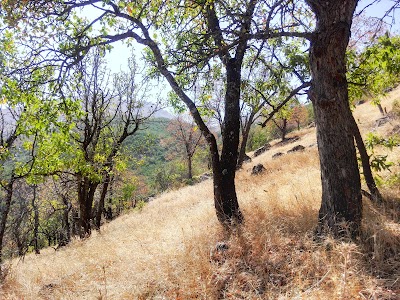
column 155, row 155
column 145, row 147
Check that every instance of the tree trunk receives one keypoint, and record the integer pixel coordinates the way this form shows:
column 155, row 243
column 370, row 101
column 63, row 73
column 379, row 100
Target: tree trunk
column 20, row 244
column 66, row 223
column 369, row 178
column 5, row 209
column 245, row 137
column 341, row 207
column 100, row 208
column 86, row 190
column 36, row 221
column 190, row 172
column 225, row 198
column 224, row 168
column 242, row 150
column 284, row 129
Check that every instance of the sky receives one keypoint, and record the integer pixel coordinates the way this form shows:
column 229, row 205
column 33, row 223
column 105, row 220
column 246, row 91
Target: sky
column 379, row 9
column 120, row 53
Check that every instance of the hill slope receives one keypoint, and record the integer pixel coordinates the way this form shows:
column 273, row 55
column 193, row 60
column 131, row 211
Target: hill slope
column 168, row 250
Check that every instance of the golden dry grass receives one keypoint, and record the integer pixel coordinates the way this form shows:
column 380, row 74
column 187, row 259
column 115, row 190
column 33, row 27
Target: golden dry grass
column 168, row 250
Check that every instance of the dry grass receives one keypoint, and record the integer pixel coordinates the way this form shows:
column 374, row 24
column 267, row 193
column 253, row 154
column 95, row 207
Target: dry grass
column 168, row 250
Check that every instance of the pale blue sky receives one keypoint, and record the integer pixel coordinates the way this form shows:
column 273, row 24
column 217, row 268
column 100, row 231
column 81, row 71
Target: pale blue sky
column 121, row 52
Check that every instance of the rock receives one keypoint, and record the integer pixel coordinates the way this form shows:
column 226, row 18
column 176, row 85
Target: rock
column 218, row 254
column 311, row 125
column 296, row 148
column 288, row 141
column 246, row 158
column 257, row 169
column 149, row 199
column 205, row 176
column 360, row 102
column 382, row 121
column 276, row 155
column 395, row 130
column 261, row 150
column 221, row 246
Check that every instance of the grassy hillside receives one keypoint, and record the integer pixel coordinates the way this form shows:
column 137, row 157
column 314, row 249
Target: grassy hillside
column 175, row 249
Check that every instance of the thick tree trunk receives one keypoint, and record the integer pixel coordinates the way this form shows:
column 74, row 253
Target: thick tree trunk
column 225, row 198
column 341, row 207
column 369, row 178
column 4, row 210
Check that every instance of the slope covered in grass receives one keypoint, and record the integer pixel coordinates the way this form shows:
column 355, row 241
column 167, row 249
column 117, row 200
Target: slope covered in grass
column 175, row 249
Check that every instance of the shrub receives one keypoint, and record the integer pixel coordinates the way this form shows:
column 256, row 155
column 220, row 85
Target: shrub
column 396, row 107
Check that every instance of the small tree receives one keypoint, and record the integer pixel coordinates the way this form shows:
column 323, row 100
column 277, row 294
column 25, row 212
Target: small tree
column 186, row 133
column 299, row 115
column 108, row 118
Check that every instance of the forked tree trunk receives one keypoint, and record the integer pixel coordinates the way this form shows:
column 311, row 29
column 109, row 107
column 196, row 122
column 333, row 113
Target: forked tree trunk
column 341, row 207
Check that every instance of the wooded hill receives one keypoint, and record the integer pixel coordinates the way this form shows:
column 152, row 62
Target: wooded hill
column 173, row 248
column 70, row 163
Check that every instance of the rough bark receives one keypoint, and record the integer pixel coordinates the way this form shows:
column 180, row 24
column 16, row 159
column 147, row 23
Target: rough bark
column 341, row 207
